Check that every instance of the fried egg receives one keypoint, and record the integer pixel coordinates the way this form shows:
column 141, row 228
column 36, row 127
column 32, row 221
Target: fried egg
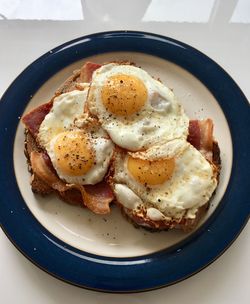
column 167, row 181
column 80, row 153
column 136, row 110
column 66, row 108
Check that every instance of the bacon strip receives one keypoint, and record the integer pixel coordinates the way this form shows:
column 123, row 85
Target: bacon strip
column 194, row 136
column 201, row 136
column 88, row 70
column 206, row 131
column 95, row 197
column 48, row 163
column 72, row 196
column 98, row 197
column 42, row 170
column 34, row 118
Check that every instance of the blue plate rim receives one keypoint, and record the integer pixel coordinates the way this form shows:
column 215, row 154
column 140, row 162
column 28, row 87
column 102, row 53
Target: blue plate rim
column 157, row 264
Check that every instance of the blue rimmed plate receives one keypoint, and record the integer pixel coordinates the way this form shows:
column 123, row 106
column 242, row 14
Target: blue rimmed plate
column 107, row 253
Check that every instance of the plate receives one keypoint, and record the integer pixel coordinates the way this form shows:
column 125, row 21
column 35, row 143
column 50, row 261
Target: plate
column 107, row 253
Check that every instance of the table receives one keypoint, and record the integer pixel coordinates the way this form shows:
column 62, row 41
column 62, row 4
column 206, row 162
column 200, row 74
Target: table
column 221, row 30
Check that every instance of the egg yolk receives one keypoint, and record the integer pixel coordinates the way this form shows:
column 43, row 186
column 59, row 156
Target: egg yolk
column 151, row 172
column 74, row 154
column 124, row 94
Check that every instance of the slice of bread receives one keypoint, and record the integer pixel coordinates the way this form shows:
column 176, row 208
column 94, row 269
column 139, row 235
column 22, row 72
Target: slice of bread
column 141, row 220
column 72, row 196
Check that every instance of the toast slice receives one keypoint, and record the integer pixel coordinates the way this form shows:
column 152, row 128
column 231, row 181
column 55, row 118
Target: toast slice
column 185, row 224
column 38, row 185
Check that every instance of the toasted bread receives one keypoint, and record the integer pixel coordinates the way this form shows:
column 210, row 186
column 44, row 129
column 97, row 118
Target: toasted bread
column 185, row 224
column 38, row 186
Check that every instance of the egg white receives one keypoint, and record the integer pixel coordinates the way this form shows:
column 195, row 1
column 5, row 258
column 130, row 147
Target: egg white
column 161, row 118
column 66, row 108
column 66, row 115
column 191, row 185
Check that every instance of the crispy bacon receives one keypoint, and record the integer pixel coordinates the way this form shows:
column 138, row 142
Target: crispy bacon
column 95, row 197
column 98, row 197
column 34, row 118
column 194, row 136
column 201, row 136
column 72, row 196
column 206, row 131
column 38, row 161
column 88, row 70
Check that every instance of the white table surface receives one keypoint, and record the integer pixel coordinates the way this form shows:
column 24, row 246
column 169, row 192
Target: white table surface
column 228, row 43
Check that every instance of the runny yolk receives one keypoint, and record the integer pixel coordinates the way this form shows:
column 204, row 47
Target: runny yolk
column 74, row 154
column 151, row 172
column 124, row 94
